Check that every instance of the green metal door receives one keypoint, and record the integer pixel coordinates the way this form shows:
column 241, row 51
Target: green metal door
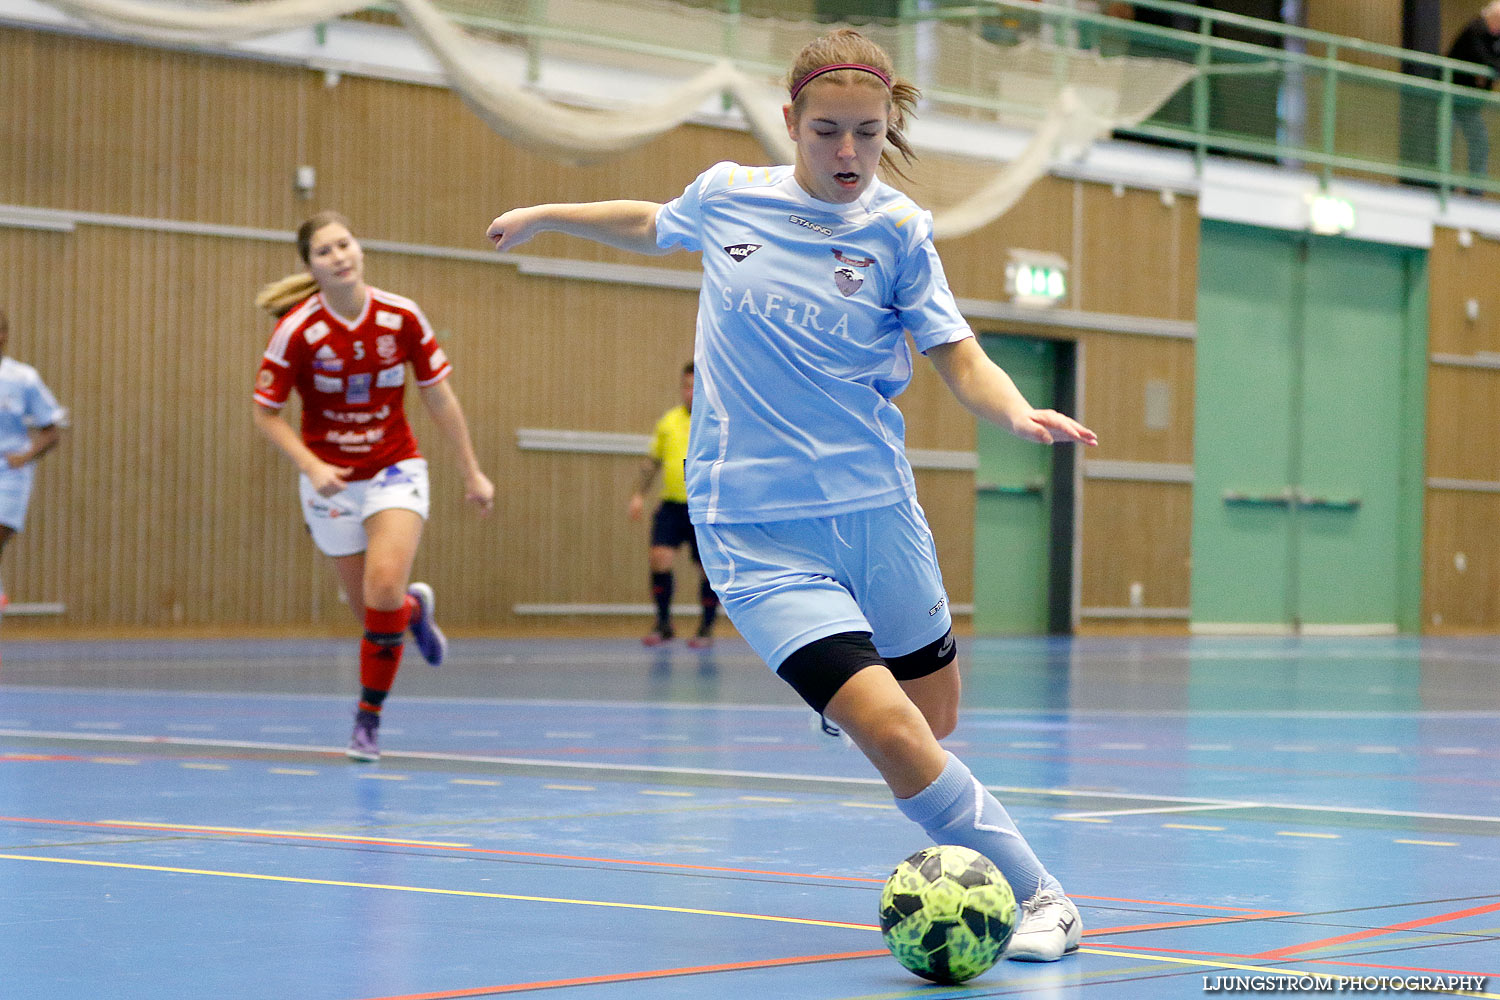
column 1012, row 516
column 1306, row 509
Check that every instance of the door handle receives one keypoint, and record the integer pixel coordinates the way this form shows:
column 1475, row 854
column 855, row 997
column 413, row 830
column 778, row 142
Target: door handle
column 1287, row 498
column 1326, row 503
column 1234, row 498
column 1031, row 488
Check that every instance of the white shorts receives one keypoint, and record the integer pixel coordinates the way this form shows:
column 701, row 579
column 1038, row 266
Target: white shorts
column 785, row 584
column 15, row 494
column 337, row 523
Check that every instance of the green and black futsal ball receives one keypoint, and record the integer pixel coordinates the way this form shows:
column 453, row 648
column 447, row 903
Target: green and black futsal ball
column 947, row 913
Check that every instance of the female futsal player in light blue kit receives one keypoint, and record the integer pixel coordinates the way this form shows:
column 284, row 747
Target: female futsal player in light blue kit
column 30, row 426
column 798, row 485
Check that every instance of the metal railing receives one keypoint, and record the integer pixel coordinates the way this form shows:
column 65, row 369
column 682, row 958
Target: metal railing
column 1331, row 104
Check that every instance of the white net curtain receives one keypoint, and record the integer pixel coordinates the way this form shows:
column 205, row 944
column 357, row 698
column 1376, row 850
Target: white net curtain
column 1064, row 98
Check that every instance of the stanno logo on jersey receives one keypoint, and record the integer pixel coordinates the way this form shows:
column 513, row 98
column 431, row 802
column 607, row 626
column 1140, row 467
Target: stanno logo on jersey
column 844, row 258
column 847, row 281
column 798, row 220
column 741, row 250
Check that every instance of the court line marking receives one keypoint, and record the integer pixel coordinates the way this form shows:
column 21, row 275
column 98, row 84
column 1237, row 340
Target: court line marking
column 1243, row 912
column 624, row 977
column 1161, row 810
column 238, row 831
column 1261, row 969
column 1407, row 925
column 812, row 779
column 427, row 890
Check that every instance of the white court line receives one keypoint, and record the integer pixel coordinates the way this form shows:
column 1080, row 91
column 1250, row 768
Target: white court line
column 819, row 782
column 1153, row 811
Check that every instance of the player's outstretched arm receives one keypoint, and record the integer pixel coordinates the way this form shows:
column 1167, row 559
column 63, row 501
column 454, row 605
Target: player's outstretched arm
column 986, row 391
column 629, row 225
column 443, row 404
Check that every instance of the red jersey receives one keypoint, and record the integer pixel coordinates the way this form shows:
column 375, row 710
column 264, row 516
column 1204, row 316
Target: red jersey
column 352, row 378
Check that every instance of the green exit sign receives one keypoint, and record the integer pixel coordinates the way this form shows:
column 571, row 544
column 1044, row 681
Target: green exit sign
column 1036, row 278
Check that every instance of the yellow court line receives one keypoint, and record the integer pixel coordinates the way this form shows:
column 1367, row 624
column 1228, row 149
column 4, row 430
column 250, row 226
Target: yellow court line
column 1263, row 970
column 190, row 827
column 441, row 892
column 1427, row 843
column 1312, row 836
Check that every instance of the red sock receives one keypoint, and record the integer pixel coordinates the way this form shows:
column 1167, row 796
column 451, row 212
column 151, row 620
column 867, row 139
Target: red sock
column 380, row 653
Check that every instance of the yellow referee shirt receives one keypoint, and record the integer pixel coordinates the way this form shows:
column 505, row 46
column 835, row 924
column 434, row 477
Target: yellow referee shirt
column 669, row 445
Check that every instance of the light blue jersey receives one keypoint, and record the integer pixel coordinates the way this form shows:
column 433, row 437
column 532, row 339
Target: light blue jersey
column 25, row 402
column 801, row 343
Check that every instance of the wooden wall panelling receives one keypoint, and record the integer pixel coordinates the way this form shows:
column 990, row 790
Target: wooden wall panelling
column 1139, row 253
column 1463, row 423
column 1457, row 274
column 154, row 133
column 1461, row 595
column 1121, row 370
column 1136, row 532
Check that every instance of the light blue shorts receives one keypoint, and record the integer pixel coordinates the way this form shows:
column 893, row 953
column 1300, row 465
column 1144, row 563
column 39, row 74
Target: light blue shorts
column 15, row 495
column 785, row 584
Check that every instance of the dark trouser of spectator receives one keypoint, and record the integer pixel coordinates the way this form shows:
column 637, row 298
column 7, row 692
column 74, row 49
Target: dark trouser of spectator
column 1468, row 118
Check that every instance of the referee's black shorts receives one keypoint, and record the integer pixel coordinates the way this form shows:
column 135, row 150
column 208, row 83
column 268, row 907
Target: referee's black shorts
column 672, row 527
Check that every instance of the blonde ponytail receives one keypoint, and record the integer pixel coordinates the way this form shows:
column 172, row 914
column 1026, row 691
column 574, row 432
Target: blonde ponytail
column 281, row 297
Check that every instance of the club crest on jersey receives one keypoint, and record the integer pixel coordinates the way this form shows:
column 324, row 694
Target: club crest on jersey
column 844, row 258
column 740, row 251
column 847, row 281
column 389, row 320
column 385, row 346
column 327, row 360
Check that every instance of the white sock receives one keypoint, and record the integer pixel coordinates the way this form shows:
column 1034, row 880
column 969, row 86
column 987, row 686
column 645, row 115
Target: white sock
column 957, row 809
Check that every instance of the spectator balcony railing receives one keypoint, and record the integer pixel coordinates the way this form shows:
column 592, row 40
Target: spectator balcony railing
column 1329, row 104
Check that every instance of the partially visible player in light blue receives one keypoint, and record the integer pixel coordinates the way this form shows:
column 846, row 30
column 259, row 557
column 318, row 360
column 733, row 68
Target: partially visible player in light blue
column 798, row 484
column 31, row 425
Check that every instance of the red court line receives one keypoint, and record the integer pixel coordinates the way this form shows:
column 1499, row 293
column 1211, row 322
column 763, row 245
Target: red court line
column 1396, row 968
column 1439, row 918
column 394, row 842
column 625, row 977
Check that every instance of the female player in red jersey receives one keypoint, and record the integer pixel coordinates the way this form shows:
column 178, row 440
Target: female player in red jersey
column 345, row 346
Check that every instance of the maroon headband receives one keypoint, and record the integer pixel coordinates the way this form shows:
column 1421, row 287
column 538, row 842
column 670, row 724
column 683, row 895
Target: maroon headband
column 885, row 79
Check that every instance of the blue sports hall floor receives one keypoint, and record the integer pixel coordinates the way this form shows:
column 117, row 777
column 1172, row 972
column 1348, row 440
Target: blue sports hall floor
column 598, row 821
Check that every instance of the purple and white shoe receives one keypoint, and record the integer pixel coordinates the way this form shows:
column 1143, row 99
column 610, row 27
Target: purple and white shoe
column 363, row 744
column 431, row 642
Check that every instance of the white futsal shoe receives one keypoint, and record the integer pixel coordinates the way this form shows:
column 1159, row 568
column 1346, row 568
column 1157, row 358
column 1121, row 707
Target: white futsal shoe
column 1050, row 928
